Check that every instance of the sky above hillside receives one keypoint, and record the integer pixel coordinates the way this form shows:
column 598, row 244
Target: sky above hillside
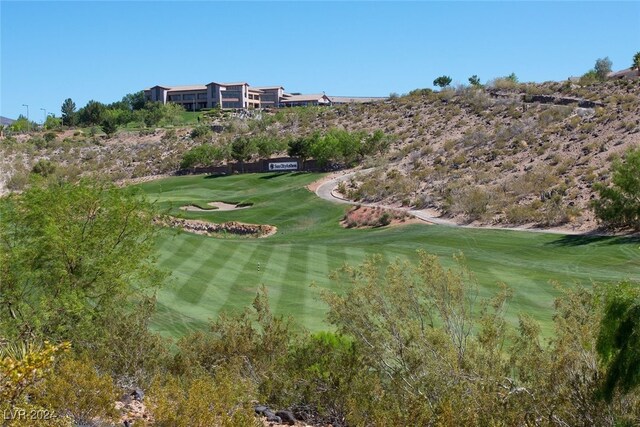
column 103, row 50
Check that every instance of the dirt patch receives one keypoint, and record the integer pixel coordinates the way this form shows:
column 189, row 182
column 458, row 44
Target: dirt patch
column 217, row 206
column 219, row 230
column 370, row 217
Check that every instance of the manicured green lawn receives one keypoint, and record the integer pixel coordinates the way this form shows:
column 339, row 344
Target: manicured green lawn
column 210, row 275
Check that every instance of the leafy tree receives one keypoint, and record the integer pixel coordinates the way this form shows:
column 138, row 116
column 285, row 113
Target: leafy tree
column 109, row 125
column 267, row 145
column 512, row 78
column 442, row 81
column 619, row 202
column 475, row 81
column 376, row 143
column 134, row 101
column 603, row 67
column 73, row 258
column 202, row 155
column 68, row 112
column 300, row 147
column 619, row 339
column 636, row 61
column 22, row 124
column 155, row 113
column 171, row 114
column 242, row 148
column 52, row 122
column 589, row 78
column 91, row 114
column 326, row 148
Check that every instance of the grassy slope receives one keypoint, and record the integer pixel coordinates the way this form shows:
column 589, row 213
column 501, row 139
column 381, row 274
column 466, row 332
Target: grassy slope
column 210, row 275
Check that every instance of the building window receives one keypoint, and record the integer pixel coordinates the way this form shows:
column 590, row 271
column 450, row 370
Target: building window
column 189, row 97
column 174, row 97
column 202, row 96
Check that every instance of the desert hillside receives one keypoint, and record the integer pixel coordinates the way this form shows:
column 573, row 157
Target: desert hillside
column 506, row 154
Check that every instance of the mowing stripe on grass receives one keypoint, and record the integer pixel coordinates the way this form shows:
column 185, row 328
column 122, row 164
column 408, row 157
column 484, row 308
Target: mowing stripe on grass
column 199, row 281
column 247, row 283
column 187, row 248
column 355, row 255
column 317, row 272
column 291, row 299
column 225, row 279
column 276, row 272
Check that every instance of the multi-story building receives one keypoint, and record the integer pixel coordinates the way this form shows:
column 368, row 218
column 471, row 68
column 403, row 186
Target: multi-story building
column 235, row 96
column 212, row 95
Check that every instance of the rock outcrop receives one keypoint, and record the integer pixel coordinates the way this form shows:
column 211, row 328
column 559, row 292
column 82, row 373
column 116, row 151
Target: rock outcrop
column 209, row 228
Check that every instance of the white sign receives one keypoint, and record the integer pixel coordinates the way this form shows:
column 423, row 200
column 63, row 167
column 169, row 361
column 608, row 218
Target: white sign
column 283, row 166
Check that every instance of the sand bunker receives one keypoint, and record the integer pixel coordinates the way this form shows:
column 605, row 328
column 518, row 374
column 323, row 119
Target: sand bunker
column 217, row 206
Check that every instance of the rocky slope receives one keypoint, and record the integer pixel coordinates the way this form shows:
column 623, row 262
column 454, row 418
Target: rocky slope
column 512, row 155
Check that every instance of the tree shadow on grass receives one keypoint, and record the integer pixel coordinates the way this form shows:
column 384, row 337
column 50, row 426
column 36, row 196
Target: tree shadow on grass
column 274, row 175
column 588, row 239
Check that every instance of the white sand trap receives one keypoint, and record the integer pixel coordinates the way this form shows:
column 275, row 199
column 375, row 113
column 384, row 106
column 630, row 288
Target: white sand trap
column 217, row 206
column 222, row 206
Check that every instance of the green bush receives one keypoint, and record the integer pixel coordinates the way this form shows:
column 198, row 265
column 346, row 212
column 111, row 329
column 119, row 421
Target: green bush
column 618, row 205
column 44, row 168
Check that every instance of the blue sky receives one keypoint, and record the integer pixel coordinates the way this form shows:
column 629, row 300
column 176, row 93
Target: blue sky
column 102, row 50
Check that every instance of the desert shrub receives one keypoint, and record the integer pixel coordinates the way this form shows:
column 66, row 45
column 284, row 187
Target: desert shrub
column 255, row 340
column 553, row 115
column 385, row 219
column 19, row 178
column 169, row 135
column 77, row 390
column 326, row 377
column 201, row 133
column 50, row 136
column 24, row 367
column 522, row 214
column 589, row 78
column 533, row 182
column 44, row 167
column 509, row 82
column 472, row 201
column 89, row 245
column 554, row 212
column 132, row 353
column 202, row 400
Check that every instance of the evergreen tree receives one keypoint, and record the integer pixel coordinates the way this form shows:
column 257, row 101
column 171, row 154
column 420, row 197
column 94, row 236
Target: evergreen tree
column 68, row 112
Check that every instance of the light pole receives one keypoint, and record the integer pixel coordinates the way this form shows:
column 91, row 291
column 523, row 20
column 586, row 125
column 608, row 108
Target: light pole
column 44, row 119
column 28, row 124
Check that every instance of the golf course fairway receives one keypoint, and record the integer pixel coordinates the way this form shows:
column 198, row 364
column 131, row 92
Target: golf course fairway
column 211, row 275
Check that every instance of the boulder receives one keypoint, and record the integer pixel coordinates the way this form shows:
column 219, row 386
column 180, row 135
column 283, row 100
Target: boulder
column 137, row 394
column 287, row 417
